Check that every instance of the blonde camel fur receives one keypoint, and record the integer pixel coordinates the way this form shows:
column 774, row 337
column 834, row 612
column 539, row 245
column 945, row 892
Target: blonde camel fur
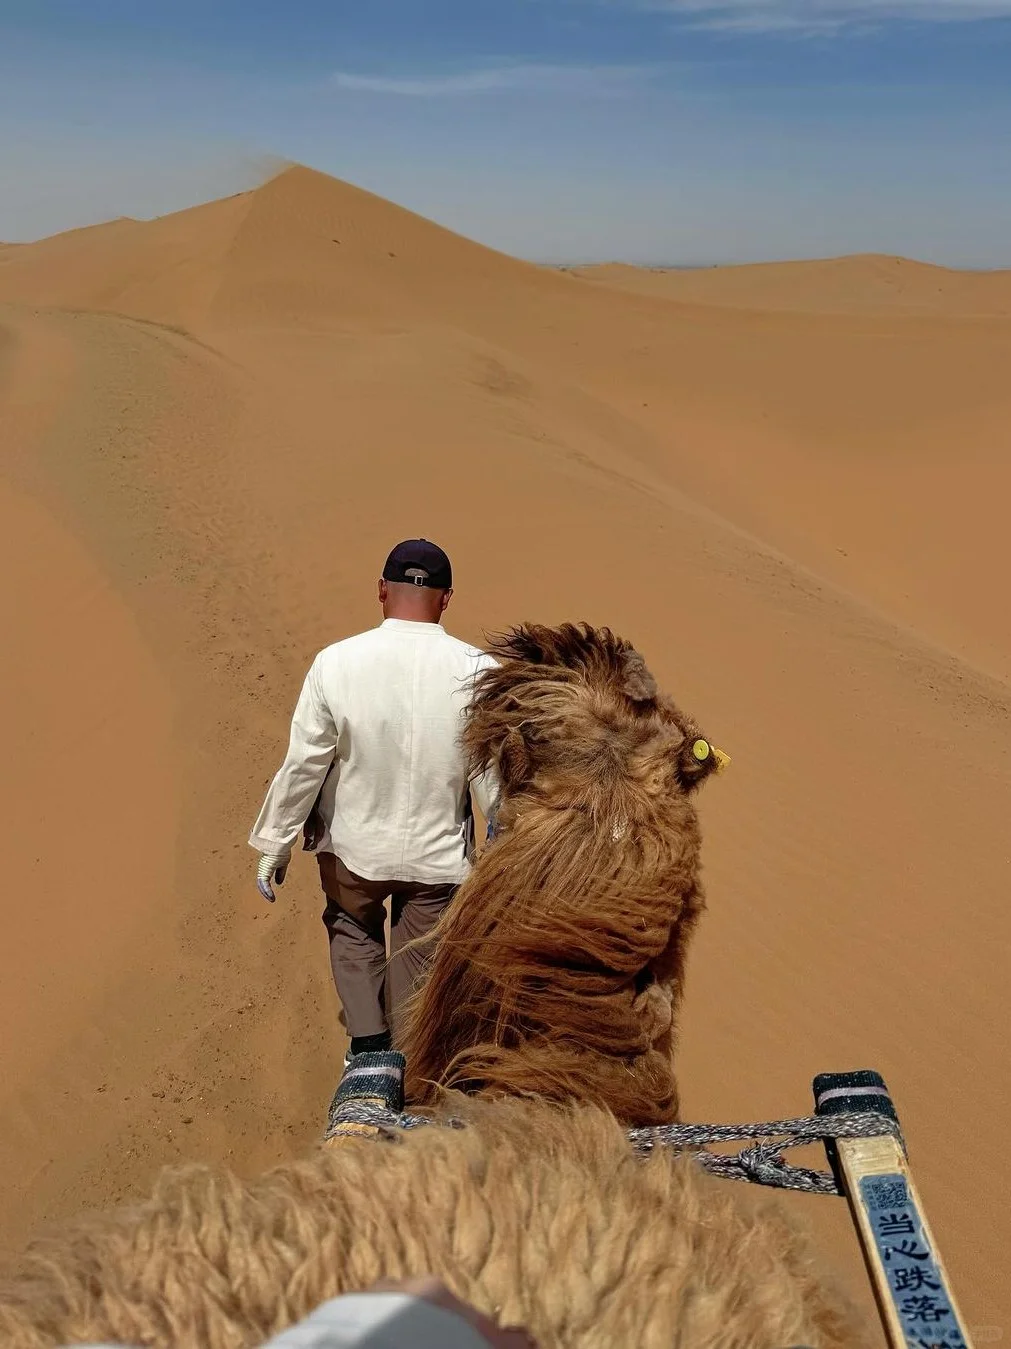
column 537, row 1215
column 555, row 984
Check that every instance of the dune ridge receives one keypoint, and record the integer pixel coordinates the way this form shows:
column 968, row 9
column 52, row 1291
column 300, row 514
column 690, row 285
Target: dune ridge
column 857, row 284
column 785, row 484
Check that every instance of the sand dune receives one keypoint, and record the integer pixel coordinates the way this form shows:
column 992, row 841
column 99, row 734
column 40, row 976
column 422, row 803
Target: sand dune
column 870, row 284
column 786, row 484
column 825, row 434
column 71, row 737
column 302, row 250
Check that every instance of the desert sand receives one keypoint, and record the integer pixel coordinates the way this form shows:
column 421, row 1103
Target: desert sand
column 788, row 485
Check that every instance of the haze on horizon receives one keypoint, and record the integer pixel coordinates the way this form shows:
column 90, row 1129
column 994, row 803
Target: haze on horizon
column 678, row 132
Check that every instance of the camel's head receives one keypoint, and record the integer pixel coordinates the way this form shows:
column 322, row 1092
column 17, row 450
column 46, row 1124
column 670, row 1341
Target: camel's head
column 576, row 708
column 559, row 964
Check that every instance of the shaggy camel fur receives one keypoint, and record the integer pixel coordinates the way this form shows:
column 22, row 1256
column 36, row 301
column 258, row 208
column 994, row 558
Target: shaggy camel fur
column 537, row 1215
column 560, row 963
column 559, row 970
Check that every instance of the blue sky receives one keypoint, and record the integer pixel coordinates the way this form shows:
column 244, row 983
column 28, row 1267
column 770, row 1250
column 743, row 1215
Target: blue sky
column 651, row 130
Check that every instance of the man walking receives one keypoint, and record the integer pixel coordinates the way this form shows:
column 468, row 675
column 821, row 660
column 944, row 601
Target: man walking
column 375, row 760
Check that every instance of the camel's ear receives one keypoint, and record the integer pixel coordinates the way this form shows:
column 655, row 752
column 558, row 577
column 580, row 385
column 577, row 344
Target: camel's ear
column 637, row 682
column 514, row 762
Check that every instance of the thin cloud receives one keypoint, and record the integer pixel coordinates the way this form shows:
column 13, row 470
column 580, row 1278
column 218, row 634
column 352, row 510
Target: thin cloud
column 818, row 16
column 527, row 78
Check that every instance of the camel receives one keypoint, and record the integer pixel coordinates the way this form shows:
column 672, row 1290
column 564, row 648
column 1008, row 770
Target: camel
column 546, row 1026
column 559, row 967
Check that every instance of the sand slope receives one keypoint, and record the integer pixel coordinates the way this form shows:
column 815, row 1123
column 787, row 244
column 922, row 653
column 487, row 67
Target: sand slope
column 224, row 417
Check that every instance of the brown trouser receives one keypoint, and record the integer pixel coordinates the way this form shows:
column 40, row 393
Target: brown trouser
column 372, row 991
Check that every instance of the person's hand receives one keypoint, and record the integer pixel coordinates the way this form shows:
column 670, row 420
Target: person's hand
column 435, row 1291
column 271, row 872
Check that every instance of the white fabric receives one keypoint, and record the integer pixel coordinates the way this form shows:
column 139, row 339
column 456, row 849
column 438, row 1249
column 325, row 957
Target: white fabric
column 385, row 709
column 380, row 1321
column 371, row 1321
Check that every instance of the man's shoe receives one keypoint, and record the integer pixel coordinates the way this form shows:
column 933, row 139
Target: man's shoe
column 368, row 1044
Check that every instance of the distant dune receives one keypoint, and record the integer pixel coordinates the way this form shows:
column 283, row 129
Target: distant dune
column 869, row 284
column 787, row 484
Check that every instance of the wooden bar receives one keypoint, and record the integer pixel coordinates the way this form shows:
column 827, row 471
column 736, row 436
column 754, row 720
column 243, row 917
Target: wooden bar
column 917, row 1306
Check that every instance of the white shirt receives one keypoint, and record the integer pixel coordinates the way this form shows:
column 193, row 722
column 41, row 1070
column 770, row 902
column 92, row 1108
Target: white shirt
column 384, row 710
column 372, row 1321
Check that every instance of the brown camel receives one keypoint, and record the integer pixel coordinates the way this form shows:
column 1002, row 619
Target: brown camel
column 560, row 964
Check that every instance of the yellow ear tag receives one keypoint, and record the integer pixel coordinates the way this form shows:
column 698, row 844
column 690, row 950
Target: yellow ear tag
column 702, row 750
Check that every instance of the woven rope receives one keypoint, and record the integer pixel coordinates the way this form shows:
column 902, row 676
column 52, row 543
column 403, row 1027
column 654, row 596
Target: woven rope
column 761, row 1164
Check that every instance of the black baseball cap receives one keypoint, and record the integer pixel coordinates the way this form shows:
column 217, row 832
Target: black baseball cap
column 418, row 562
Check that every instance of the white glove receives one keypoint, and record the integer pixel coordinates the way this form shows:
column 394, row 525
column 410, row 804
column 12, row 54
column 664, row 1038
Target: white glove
column 272, row 868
